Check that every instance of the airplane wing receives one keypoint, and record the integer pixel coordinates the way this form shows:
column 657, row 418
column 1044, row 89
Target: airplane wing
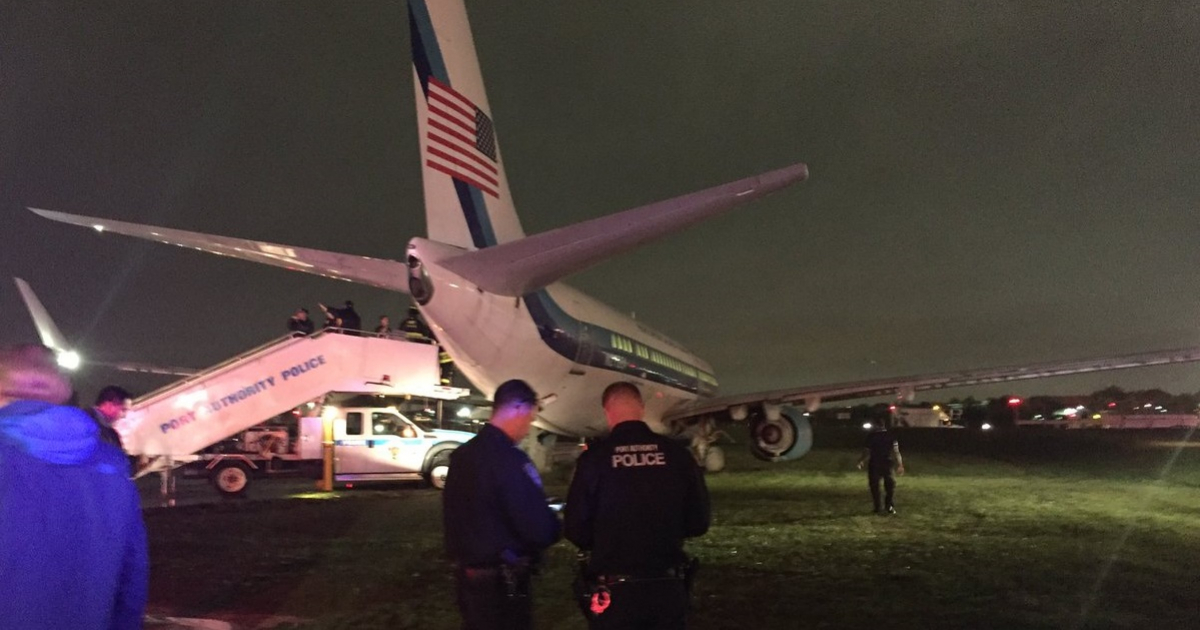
column 376, row 272
column 53, row 338
column 812, row 396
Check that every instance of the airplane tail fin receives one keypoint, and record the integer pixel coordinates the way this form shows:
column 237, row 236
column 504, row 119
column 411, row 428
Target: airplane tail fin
column 467, row 199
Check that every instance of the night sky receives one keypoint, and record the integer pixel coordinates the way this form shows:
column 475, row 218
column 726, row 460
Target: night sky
column 991, row 183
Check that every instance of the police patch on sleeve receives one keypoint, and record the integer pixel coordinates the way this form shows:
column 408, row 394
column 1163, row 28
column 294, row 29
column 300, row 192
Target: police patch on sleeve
column 531, row 470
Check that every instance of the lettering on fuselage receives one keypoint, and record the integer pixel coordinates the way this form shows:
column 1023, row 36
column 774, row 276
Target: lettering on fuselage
column 636, row 455
column 240, row 394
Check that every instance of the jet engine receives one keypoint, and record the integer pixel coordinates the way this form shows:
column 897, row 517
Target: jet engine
column 787, row 437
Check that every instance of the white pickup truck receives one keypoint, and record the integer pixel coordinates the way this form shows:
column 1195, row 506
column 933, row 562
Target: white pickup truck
column 369, row 444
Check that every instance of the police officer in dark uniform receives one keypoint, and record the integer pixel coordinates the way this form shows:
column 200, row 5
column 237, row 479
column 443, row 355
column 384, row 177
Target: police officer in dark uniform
column 635, row 497
column 881, row 454
column 496, row 519
column 112, row 403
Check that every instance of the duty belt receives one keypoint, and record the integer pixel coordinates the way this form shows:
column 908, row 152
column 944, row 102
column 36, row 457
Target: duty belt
column 673, row 573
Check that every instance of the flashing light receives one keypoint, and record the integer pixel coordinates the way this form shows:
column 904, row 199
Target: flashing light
column 98, row 227
column 937, row 407
column 1014, row 401
column 463, row 412
column 1095, row 416
column 329, row 413
column 986, row 427
column 1111, row 405
column 891, row 407
column 866, row 425
column 69, row 360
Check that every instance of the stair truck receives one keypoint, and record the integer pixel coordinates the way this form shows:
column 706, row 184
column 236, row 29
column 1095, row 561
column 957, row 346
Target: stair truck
column 209, row 420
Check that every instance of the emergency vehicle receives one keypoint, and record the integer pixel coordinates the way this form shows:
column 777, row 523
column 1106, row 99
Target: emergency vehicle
column 369, row 444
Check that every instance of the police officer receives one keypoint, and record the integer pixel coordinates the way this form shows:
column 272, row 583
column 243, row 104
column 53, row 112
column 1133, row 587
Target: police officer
column 635, row 497
column 881, row 454
column 112, row 403
column 496, row 519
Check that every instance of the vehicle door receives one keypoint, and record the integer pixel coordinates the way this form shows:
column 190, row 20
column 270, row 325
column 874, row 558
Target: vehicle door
column 352, row 451
column 395, row 444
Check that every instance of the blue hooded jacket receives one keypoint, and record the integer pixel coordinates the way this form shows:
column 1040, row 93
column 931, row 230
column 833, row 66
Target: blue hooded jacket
column 72, row 542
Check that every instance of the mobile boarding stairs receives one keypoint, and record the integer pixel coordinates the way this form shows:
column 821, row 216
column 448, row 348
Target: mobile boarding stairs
column 169, row 426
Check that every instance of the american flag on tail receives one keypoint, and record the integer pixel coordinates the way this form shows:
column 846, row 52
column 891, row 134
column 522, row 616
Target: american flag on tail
column 460, row 141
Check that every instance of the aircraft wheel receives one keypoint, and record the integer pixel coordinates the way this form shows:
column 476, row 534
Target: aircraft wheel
column 231, row 479
column 714, row 459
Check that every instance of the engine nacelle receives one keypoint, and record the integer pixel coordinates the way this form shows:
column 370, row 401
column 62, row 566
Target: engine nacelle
column 786, row 438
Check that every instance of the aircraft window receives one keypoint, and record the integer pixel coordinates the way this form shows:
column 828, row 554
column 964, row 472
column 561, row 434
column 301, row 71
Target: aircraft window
column 391, row 424
column 354, row 423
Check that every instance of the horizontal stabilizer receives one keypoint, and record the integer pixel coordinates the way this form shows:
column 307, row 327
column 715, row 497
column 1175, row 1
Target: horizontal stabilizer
column 376, row 272
column 526, row 265
column 48, row 332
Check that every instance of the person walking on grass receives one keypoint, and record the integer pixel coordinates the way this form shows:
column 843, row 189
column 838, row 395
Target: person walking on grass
column 881, row 455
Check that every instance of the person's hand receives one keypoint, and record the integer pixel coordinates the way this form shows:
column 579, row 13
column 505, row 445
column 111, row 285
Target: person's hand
column 900, row 470
column 859, row 465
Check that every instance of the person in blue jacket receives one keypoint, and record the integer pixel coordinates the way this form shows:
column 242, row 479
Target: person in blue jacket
column 72, row 542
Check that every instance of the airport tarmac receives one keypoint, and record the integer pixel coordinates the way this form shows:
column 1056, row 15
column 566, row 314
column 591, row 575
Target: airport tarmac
column 201, row 492
column 193, row 491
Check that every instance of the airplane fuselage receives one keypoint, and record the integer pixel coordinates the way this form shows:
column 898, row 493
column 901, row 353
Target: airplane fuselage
column 559, row 340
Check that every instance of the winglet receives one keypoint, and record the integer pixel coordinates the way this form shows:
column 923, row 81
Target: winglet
column 526, row 265
column 47, row 330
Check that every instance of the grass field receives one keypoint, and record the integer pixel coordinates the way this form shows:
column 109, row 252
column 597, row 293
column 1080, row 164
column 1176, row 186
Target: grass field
column 1030, row 530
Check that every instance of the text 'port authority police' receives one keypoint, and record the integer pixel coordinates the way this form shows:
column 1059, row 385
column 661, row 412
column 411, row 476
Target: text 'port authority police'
column 242, row 393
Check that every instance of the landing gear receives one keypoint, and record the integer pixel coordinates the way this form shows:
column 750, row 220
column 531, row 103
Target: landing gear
column 704, row 445
column 714, row 459
column 540, row 447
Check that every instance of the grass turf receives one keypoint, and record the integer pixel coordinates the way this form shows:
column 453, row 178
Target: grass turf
column 1025, row 530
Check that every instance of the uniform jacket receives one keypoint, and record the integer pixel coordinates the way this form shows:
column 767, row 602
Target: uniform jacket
column 636, row 495
column 72, row 542
column 881, row 445
column 493, row 504
column 107, row 434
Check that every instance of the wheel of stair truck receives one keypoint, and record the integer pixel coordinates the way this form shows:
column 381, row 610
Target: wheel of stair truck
column 231, row 478
column 438, row 468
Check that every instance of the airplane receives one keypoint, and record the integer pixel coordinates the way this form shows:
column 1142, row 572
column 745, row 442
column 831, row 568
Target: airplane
column 68, row 358
column 493, row 297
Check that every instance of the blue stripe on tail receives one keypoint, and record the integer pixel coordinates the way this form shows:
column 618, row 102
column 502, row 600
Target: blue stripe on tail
column 428, row 61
